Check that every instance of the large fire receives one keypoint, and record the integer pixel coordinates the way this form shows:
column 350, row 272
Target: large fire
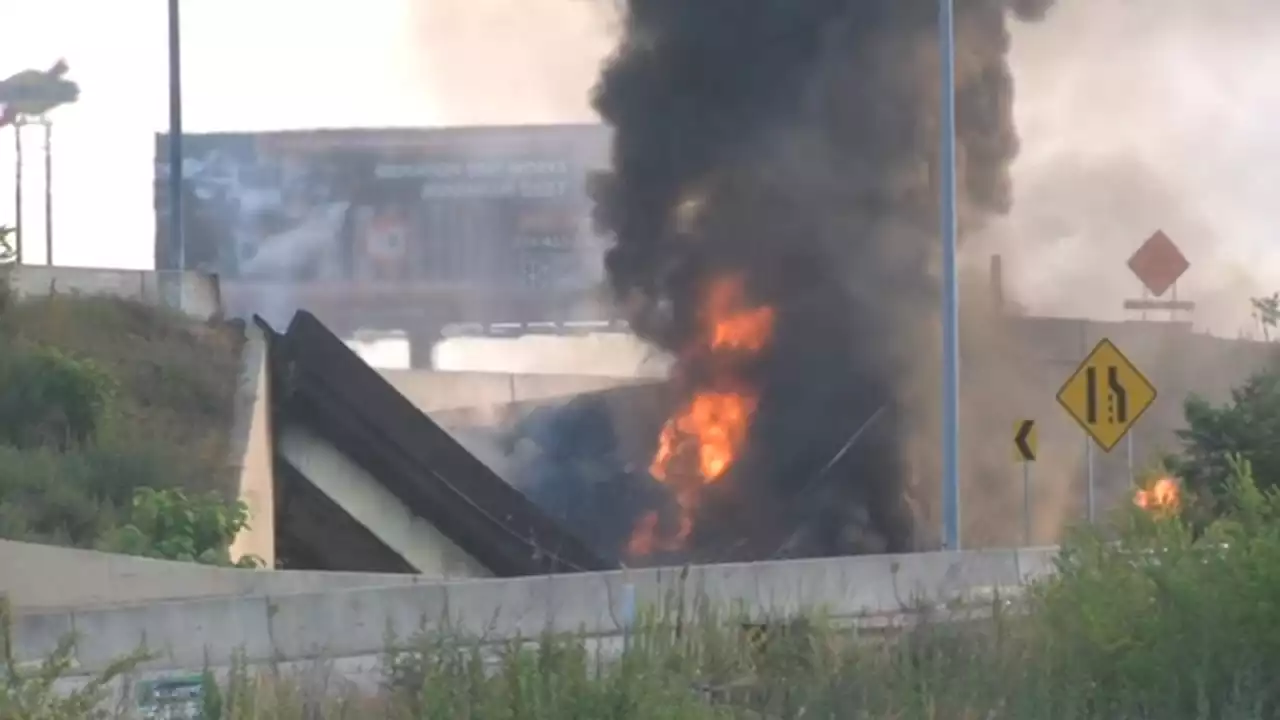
column 1163, row 495
column 701, row 441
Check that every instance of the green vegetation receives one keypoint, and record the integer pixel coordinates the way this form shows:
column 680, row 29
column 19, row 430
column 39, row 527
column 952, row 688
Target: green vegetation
column 1266, row 313
column 170, row 525
column 1176, row 621
column 114, row 424
column 1168, row 624
column 1246, row 427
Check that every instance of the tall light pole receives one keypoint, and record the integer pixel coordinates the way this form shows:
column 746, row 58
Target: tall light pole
column 28, row 97
column 175, row 137
column 17, row 192
column 950, row 283
column 48, row 190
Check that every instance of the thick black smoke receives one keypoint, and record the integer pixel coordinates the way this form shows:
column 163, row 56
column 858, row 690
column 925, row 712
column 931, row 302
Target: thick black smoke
column 795, row 142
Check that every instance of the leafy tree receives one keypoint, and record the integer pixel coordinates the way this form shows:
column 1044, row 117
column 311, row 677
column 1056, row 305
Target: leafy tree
column 1246, row 427
column 170, row 525
column 1266, row 312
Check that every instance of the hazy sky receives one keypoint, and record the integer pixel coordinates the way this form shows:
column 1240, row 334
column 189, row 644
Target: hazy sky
column 1142, row 115
column 1135, row 116
column 247, row 65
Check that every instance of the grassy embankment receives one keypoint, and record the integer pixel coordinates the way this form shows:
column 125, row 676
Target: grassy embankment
column 100, row 398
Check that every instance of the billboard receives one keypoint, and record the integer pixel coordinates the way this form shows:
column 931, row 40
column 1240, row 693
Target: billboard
column 332, row 214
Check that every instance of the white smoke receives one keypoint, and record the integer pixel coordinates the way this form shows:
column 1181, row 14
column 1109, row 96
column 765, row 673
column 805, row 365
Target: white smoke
column 512, row 61
column 1137, row 116
column 607, row 355
column 488, row 62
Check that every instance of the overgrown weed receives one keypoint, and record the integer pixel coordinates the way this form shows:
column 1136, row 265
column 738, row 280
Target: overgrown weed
column 1170, row 623
column 102, row 396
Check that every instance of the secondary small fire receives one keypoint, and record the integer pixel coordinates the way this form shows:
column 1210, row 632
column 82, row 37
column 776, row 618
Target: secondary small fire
column 701, row 441
column 1163, row 495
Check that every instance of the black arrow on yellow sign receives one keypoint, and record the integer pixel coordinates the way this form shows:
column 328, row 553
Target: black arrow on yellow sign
column 1024, row 440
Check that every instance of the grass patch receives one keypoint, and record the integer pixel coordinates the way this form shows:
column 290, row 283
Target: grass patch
column 100, row 397
column 1170, row 623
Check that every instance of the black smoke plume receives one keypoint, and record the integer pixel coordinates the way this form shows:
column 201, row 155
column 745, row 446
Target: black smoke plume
column 795, row 142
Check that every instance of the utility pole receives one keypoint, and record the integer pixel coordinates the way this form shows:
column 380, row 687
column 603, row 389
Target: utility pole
column 950, row 284
column 176, row 238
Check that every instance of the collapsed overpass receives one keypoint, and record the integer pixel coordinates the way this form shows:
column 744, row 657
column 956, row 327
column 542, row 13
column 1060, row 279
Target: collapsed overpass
column 363, row 480
column 329, row 519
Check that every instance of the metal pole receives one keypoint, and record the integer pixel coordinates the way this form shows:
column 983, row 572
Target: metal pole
column 950, row 285
column 1088, row 453
column 1129, row 451
column 1026, row 504
column 176, row 238
column 17, row 190
column 48, row 192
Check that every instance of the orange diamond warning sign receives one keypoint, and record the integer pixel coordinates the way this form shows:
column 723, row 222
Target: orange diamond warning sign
column 1158, row 263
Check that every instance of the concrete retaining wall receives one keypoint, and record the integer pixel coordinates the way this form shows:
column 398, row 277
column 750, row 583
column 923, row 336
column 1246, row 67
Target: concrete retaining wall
column 356, row 622
column 195, row 294
column 35, row 577
column 251, row 451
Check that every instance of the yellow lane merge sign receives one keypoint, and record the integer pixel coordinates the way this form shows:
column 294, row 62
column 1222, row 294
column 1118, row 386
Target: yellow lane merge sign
column 1106, row 395
column 1025, row 441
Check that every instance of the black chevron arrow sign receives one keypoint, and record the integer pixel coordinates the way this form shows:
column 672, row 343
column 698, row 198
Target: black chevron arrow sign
column 1024, row 440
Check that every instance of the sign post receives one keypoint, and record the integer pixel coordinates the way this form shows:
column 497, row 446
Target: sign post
column 1105, row 396
column 1025, row 444
column 1129, row 452
column 1090, row 505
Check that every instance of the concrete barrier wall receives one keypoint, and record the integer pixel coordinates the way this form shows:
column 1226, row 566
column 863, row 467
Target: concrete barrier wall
column 35, row 577
column 195, row 294
column 251, row 451
column 356, row 622
column 477, row 398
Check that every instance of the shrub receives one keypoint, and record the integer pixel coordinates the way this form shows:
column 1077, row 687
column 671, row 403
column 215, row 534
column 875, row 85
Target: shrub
column 50, row 398
column 1247, row 426
column 52, row 497
column 170, row 525
column 176, row 378
column 100, row 397
column 1171, row 623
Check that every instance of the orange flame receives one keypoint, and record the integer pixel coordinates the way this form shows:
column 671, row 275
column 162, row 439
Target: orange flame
column 730, row 327
column 715, row 424
column 644, row 536
column 647, row 535
column 1163, row 495
column 699, row 443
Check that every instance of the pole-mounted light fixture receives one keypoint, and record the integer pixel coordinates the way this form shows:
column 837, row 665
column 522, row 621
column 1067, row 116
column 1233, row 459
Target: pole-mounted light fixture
column 27, row 98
